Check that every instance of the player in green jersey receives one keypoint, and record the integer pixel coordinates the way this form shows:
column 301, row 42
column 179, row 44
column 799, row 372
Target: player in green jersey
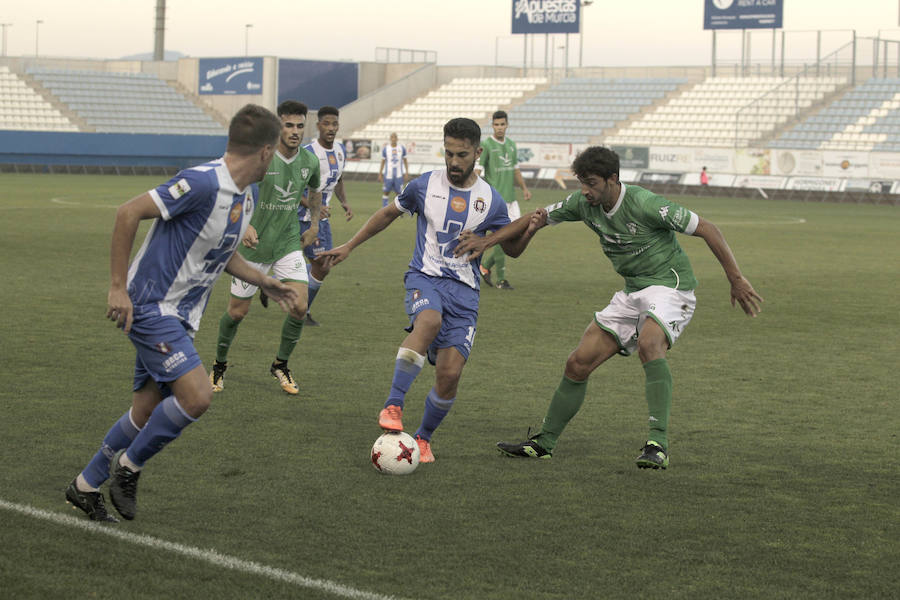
column 637, row 233
column 499, row 160
column 273, row 242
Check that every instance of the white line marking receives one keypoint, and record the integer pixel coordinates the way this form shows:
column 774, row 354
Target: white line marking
column 210, row 556
column 65, row 202
column 780, row 221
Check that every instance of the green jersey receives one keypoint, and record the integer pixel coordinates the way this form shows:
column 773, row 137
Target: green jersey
column 499, row 161
column 275, row 217
column 638, row 236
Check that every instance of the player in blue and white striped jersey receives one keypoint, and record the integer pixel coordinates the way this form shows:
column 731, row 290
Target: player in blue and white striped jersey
column 442, row 290
column 394, row 170
column 200, row 217
column 332, row 159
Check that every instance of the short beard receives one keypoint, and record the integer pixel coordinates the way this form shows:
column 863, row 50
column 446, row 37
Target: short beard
column 460, row 180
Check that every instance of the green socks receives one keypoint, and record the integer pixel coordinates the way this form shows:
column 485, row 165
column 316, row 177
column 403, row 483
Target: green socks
column 659, row 399
column 290, row 335
column 566, row 402
column 227, row 330
column 499, row 261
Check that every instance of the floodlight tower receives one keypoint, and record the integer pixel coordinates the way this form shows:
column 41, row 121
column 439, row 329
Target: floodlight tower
column 159, row 38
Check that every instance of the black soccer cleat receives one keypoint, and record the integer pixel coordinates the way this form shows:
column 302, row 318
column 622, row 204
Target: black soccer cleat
column 504, row 285
column 653, row 456
column 310, row 322
column 486, row 275
column 90, row 502
column 123, row 487
column 527, row 449
column 217, row 376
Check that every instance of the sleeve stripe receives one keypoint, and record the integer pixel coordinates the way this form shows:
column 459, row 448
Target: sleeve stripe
column 163, row 210
column 692, row 224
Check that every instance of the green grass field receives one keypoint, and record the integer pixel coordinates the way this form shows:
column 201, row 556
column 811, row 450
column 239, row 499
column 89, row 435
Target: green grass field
column 784, row 460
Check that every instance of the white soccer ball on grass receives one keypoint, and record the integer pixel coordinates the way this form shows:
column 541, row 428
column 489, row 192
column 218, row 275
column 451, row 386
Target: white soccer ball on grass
column 395, row 453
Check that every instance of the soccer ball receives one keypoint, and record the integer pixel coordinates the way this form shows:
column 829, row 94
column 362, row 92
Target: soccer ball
column 395, row 453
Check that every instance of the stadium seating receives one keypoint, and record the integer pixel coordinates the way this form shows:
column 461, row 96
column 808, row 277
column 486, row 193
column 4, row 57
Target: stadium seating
column 866, row 118
column 578, row 109
column 725, row 111
column 126, row 102
column 21, row 108
column 476, row 98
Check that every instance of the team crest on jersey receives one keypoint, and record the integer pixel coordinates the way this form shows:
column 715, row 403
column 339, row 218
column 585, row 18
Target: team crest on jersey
column 480, row 205
column 236, row 211
column 331, row 159
column 458, row 204
column 163, row 348
column 179, row 189
column 632, row 228
column 304, row 173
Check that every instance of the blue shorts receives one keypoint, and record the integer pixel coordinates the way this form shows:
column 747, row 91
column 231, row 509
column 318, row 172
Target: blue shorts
column 323, row 242
column 393, row 185
column 457, row 303
column 165, row 351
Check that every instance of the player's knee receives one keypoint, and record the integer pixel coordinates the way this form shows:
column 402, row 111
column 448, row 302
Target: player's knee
column 197, row 402
column 652, row 347
column 576, row 368
column 237, row 312
column 298, row 310
column 428, row 322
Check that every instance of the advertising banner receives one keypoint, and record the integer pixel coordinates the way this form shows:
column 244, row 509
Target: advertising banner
column 760, row 181
column 545, row 16
column 358, row 149
column 884, row 165
column 846, row 164
column 424, row 151
column 753, row 161
column 821, row 184
column 799, row 162
column 872, row 186
column 743, row 14
column 632, row 157
column 221, row 76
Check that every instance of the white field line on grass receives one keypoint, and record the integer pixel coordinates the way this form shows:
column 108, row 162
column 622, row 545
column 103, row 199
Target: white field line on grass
column 209, row 556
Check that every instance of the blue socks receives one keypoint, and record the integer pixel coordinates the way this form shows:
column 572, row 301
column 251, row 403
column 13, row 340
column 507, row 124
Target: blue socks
column 165, row 424
column 406, row 368
column 436, row 408
column 119, row 436
column 312, row 290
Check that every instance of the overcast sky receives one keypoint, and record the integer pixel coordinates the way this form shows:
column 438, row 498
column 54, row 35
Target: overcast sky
column 462, row 32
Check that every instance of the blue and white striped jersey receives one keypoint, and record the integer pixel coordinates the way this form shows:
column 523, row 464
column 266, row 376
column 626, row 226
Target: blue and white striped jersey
column 393, row 160
column 204, row 217
column 443, row 213
column 331, row 167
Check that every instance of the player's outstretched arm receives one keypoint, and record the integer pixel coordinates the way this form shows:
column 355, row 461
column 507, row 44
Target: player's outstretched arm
column 342, row 198
column 283, row 294
column 314, row 204
column 128, row 217
column 376, row 224
column 741, row 290
column 513, row 238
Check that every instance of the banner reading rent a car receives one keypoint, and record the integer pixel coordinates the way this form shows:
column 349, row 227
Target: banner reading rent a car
column 545, row 16
column 742, row 14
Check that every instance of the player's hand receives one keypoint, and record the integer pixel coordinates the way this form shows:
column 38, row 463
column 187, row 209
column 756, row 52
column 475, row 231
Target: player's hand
column 744, row 294
column 380, row 176
column 526, row 194
column 538, row 219
column 251, row 238
column 281, row 293
column 334, row 256
column 119, row 308
column 325, row 212
column 348, row 212
column 310, row 236
column 471, row 243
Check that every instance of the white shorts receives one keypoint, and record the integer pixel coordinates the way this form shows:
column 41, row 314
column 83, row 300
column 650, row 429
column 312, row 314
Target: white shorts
column 512, row 208
column 624, row 317
column 290, row 267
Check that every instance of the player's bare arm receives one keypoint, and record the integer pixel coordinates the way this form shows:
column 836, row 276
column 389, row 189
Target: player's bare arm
column 741, row 290
column 513, row 238
column 284, row 294
column 342, row 198
column 128, row 217
column 526, row 193
column 377, row 223
column 314, row 204
column 251, row 237
column 381, row 171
